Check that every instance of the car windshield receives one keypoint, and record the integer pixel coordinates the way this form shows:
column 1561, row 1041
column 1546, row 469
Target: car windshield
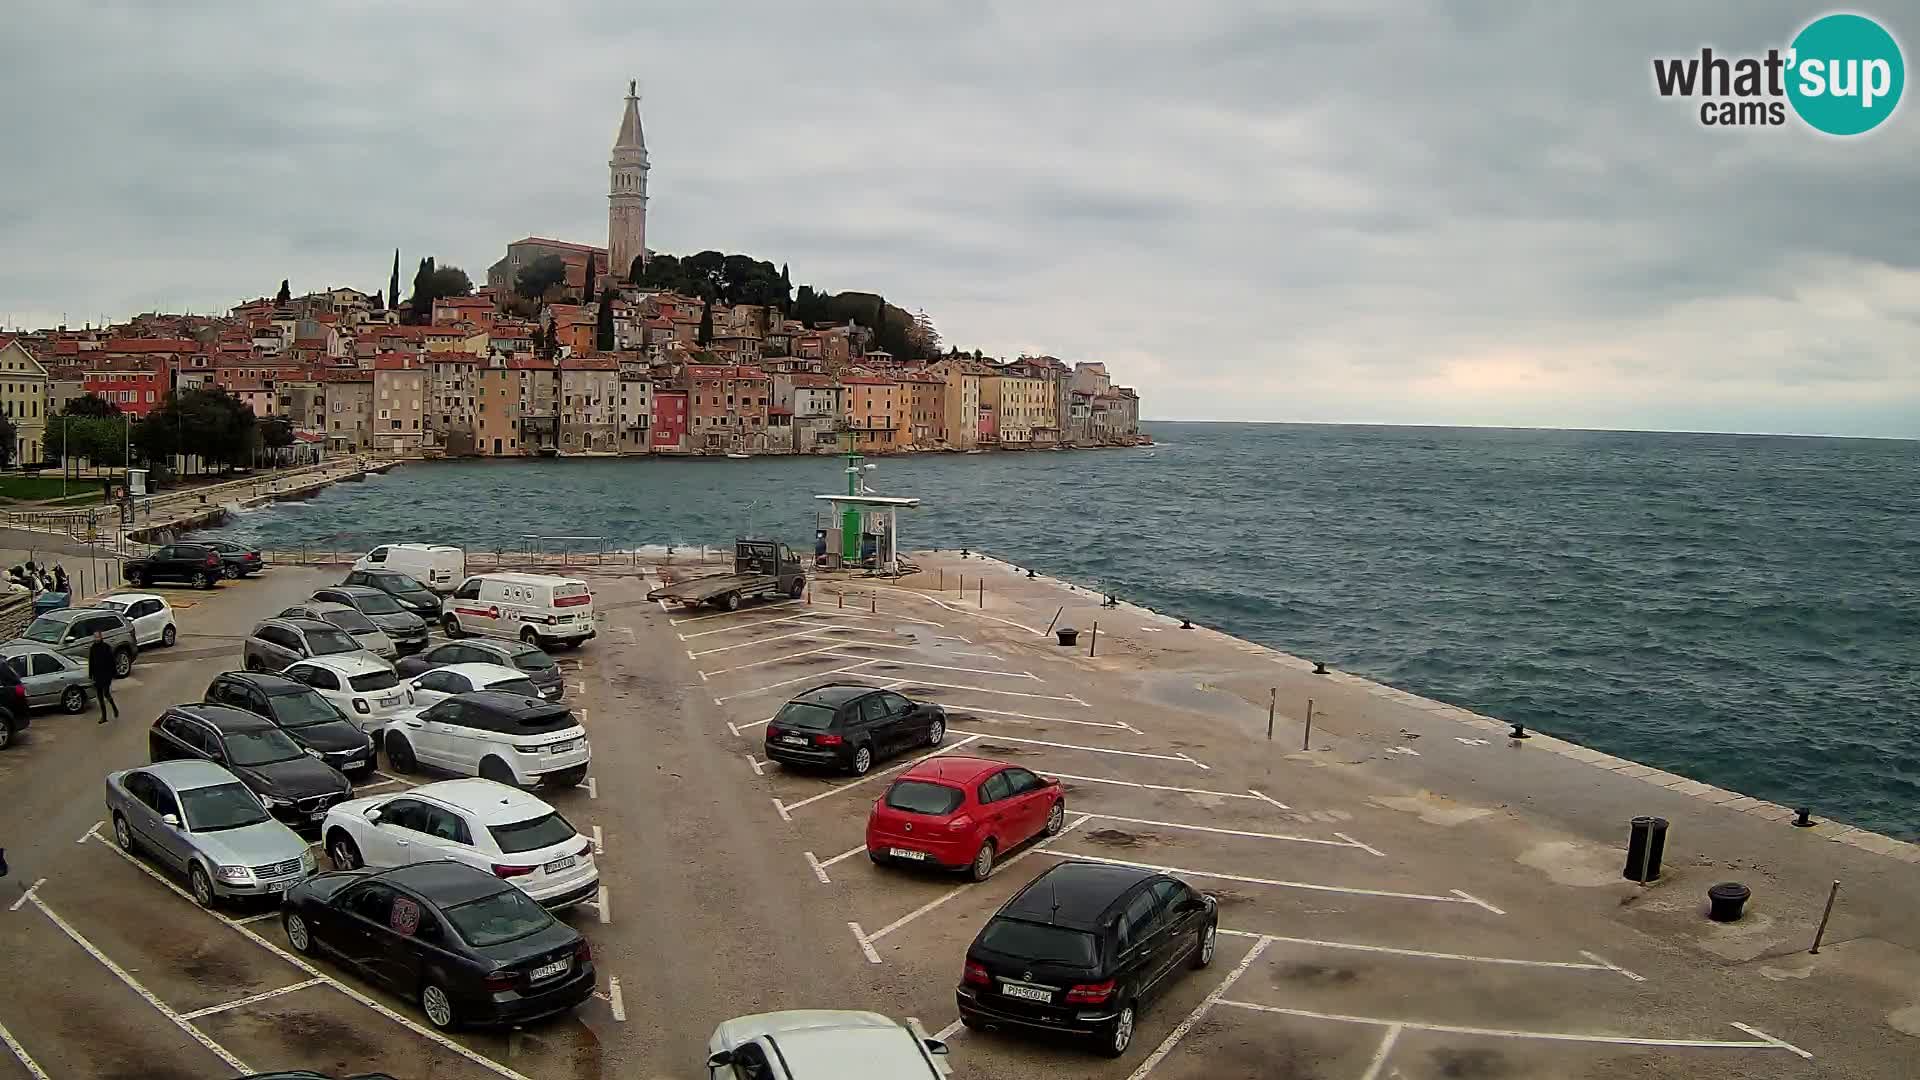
column 1040, row 943
column 523, row 687
column 223, row 806
column 402, row 585
column 351, row 621
column 544, row 831
column 374, row 680
column 532, row 660
column 377, row 603
column 330, row 641
column 303, row 708
column 262, row 747
column 46, row 631
column 920, row 797
column 504, row 916
column 804, row 715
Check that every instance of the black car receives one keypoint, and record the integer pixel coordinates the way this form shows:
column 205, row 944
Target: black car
column 237, row 560
column 14, row 714
column 410, row 594
column 197, row 564
column 1082, row 949
column 300, row 711
column 846, row 726
column 292, row 782
column 408, row 631
column 469, row 947
column 538, row 666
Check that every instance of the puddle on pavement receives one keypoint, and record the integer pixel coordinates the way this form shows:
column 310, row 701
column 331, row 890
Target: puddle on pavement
column 1475, row 1064
column 1121, row 838
column 1003, row 751
column 1315, row 975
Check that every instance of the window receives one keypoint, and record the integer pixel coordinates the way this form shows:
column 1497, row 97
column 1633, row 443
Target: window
column 1167, row 894
column 443, row 824
column 372, row 902
column 534, row 833
column 921, row 797
column 995, row 788
column 405, row 814
column 1137, row 921
column 1020, row 781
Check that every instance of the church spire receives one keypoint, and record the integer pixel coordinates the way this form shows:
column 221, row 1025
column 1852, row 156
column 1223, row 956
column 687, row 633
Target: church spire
column 627, row 192
column 630, row 133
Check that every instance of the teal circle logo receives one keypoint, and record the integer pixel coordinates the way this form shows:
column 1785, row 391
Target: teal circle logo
column 1847, row 74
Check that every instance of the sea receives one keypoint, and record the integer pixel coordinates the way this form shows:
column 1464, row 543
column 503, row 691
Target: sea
column 1741, row 609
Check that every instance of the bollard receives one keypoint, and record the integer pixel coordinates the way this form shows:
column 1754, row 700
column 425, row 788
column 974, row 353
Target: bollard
column 1646, row 845
column 963, row 553
column 1726, row 901
column 1029, row 573
column 1186, row 623
column 1067, row 634
column 1055, row 619
column 1319, row 667
column 875, row 597
column 1306, row 737
column 1273, row 695
column 1817, row 934
column 843, row 600
column 983, row 592
column 1805, row 818
column 1519, row 731
column 1094, row 641
column 962, row 588
column 943, row 579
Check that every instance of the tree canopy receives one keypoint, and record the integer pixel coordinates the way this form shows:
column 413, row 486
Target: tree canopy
column 710, row 275
column 212, row 425
column 538, row 276
column 900, row 332
column 431, row 283
column 90, row 405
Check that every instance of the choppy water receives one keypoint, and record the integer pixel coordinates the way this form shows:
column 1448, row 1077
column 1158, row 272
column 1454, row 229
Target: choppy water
column 1742, row 609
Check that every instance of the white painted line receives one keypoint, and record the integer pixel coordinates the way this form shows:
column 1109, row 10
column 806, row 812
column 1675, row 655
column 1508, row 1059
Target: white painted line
column 949, row 1031
column 813, row 633
column 819, row 871
column 577, row 687
column 134, row 984
column 1196, row 761
column 1073, row 746
column 1118, row 726
column 1380, row 1056
column 866, row 944
column 960, row 610
column 92, row 831
column 786, row 808
column 781, row 808
column 376, row 784
column 958, row 889
column 1472, row 899
column 704, row 675
column 391, row 777
column 969, row 670
column 1224, row 832
column 1268, row 798
column 599, row 843
column 758, row 765
column 20, row 1053
column 851, row 669
column 1611, row 966
column 847, row 854
column 245, row 1001
column 1363, row 847
column 1248, row 794
column 616, row 1000
column 1403, row 750
column 724, row 614
column 1354, row 946
column 984, row 690
column 593, row 789
column 1763, row 1042
column 262, row 917
column 1213, row 997
column 600, row 906
column 28, row 895
column 1279, row 883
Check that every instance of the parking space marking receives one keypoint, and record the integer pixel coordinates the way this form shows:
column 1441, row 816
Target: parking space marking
column 20, row 1053
column 28, row 895
column 866, row 944
column 615, row 1000
column 376, row 784
column 867, row 940
column 262, row 917
column 787, row 808
column 758, row 765
column 1120, row 725
column 249, row 1000
column 593, row 789
column 975, row 689
column 1361, row 846
column 1380, row 1055
column 1089, row 749
column 1247, row 794
column 810, row 632
column 1598, row 963
column 724, row 614
column 820, row 867
column 852, row 669
column 1611, row 966
column 705, row 675
column 949, row 1031
column 1179, row 871
column 147, row 995
column 1233, row 832
column 969, row 670
column 1213, row 997
column 960, row 610
column 599, row 843
column 92, row 831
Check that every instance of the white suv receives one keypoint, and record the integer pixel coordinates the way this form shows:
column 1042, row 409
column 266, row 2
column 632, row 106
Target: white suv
column 363, row 687
column 822, row 1044
column 435, row 685
column 509, row 738
column 489, row 826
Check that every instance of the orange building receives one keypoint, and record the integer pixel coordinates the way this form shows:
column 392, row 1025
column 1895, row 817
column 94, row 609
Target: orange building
column 726, row 407
column 877, row 412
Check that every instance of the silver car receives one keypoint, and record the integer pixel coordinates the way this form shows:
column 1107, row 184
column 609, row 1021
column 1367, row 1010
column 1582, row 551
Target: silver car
column 275, row 643
column 201, row 821
column 50, row 678
column 69, row 631
column 371, row 638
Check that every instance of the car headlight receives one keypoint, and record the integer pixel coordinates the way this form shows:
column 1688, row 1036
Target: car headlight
column 234, row 875
column 311, row 752
column 272, row 803
column 409, row 697
column 306, row 859
column 360, row 705
column 369, row 747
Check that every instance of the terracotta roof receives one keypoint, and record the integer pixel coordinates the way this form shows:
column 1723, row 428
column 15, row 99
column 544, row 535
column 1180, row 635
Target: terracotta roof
column 151, row 345
column 718, row 371
column 866, row 380
column 580, row 248
column 589, row 363
column 812, row 381
column 529, row 363
column 345, row 375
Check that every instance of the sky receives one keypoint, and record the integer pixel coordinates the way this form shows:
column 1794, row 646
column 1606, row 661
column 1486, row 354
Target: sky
column 1367, row 211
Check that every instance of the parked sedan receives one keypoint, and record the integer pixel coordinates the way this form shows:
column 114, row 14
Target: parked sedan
column 823, row 1044
column 275, row 643
column 441, row 683
column 1082, row 949
column 530, row 660
column 237, row 560
column 202, row 821
column 294, row 785
column 371, row 638
column 953, row 812
column 69, row 632
column 364, row 689
column 411, row 595
column 502, row 830
column 408, row 631
column 151, row 616
column 49, row 678
column 469, row 947
column 299, row 710
column 847, row 726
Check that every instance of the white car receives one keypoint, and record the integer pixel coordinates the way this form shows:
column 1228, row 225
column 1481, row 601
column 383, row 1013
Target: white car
column 363, row 688
column 438, row 684
column 823, row 1044
column 511, row 738
column 490, row 826
column 151, row 616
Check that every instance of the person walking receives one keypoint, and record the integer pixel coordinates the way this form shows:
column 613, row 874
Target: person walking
column 100, row 669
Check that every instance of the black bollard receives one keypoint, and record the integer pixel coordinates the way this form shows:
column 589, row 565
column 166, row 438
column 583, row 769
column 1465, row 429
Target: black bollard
column 1646, row 846
column 1186, row 623
column 1805, row 820
column 1319, row 667
column 1068, row 635
column 1029, row 572
column 3, row 862
column 1726, row 901
column 1519, row 731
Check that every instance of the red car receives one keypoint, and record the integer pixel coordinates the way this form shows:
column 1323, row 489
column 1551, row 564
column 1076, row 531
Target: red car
column 962, row 813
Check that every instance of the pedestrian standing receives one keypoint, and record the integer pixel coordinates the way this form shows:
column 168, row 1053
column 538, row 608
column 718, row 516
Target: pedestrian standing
column 100, row 669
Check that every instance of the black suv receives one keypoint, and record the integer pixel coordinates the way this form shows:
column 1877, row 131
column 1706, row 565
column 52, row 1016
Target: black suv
column 300, row 711
column 846, row 726
column 294, row 785
column 410, row 594
column 195, row 563
column 539, row 668
column 1082, row 948
column 237, row 560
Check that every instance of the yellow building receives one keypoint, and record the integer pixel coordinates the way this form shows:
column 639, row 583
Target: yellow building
column 23, row 398
column 1019, row 404
column 877, row 413
column 958, row 424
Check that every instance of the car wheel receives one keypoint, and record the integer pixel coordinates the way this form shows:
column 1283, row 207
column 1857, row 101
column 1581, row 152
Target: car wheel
column 141, row 579
column 1118, row 1033
column 527, row 635
column 937, row 731
column 1057, row 818
column 438, row 1006
column 451, row 626
column 967, row 1021
column 1203, row 955
column 229, row 571
column 73, row 700
column 566, row 778
column 862, row 760
column 494, row 769
column 799, row 589
column 201, row 885
column 343, row 853
column 982, row 866
column 731, row 601
column 122, row 834
column 399, row 752
column 122, row 662
column 298, row 935
column 169, row 636
column 203, row 580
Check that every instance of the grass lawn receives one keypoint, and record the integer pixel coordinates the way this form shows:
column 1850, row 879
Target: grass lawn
column 34, row 488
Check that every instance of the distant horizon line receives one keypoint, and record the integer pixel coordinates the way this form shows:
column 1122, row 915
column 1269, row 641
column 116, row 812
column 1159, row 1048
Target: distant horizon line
column 1525, row 427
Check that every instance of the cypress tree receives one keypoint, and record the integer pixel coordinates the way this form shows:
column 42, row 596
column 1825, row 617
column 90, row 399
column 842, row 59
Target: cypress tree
column 285, row 294
column 706, row 324
column 586, row 292
column 603, row 328
column 393, row 283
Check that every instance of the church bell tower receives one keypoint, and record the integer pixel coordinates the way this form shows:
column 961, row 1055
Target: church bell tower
column 627, row 192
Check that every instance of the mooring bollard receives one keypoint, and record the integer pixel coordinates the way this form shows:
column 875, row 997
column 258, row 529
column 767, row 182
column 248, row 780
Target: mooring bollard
column 1824, row 916
column 1319, row 667
column 1067, row 635
column 875, row 597
column 943, row 579
column 843, row 600
column 1186, row 623
column 1519, row 731
column 983, row 592
column 1646, row 846
column 1805, row 818
column 1726, row 901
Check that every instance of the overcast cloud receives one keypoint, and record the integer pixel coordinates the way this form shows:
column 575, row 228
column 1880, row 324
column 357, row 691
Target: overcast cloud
column 1366, row 211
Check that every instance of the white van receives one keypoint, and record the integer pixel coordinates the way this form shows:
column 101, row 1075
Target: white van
column 437, row 566
column 539, row 609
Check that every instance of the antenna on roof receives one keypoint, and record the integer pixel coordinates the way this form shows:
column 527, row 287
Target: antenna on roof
column 1053, row 894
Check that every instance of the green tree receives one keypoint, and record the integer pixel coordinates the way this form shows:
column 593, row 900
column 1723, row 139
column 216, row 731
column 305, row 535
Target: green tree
column 447, row 281
column 210, row 424
column 99, row 439
column 393, row 283
column 7, row 436
column 284, row 295
column 706, row 324
column 637, row 272
column 91, row 405
column 538, row 276
column 275, row 434
column 603, row 326
column 586, row 291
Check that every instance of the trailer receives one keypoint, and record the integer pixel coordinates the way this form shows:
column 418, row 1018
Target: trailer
column 762, row 569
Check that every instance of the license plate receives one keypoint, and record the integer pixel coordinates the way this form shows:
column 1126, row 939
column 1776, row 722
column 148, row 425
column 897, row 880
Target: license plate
column 1025, row 993
column 548, row 971
column 559, row 864
column 561, row 747
column 393, row 700
column 565, row 618
column 903, row 853
column 794, row 740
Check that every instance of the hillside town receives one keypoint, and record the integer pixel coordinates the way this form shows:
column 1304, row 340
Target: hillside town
column 570, row 350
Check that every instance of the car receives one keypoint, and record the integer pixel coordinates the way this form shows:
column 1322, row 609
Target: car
column 502, row 830
column 539, row 609
column 15, row 717
column 1082, row 948
column 408, row 631
column 531, row 660
column 69, row 632
column 202, row 821
column 151, row 616
column 467, row 946
column 404, row 588
column 371, row 638
column 237, row 560
column 196, row 564
column 438, row 566
column 822, row 1044
column 275, row 643
column 850, row 726
column 962, row 812
column 438, row 684
column 292, row 782
column 47, row 677
column 298, row 709
column 363, row 688
column 508, row 738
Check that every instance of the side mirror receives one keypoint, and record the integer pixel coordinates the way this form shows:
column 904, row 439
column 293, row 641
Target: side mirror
column 720, row 1059
column 373, row 815
column 172, row 820
column 934, row 1046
